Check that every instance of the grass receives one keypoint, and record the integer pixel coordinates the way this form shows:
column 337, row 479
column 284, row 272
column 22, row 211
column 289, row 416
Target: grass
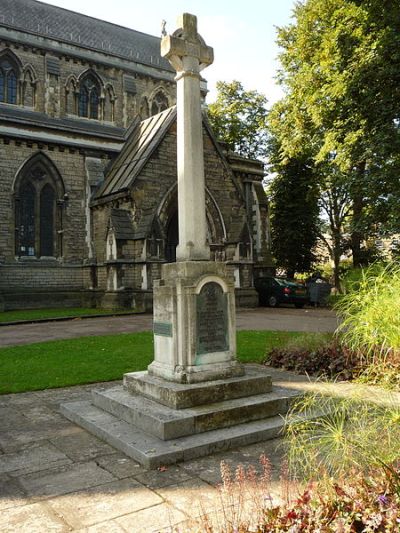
column 64, row 363
column 370, row 313
column 36, row 314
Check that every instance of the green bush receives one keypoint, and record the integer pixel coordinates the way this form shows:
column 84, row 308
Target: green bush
column 370, row 313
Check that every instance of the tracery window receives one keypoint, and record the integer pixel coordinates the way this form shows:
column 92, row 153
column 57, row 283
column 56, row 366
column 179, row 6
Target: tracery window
column 38, row 217
column 159, row 103
column 8, row 81
column 89, row 97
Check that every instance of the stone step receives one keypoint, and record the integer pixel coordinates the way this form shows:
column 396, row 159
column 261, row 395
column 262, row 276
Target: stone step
column 181, row 396
column 152, row 452
column 167, row 423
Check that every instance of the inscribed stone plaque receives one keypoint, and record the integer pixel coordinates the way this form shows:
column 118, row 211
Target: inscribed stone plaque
column 212, row 320
column 162, row 328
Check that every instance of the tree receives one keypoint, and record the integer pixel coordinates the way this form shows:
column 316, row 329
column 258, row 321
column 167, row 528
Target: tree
column 239, row 118
column 294, row 215
column 341, row 73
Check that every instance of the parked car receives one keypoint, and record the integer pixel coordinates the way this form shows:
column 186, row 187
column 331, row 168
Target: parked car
column 275, row 291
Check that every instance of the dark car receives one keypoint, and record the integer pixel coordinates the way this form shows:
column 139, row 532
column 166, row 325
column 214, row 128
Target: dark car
column 275, row 291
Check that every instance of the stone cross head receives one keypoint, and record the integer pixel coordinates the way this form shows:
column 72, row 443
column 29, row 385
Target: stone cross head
column 185, row 49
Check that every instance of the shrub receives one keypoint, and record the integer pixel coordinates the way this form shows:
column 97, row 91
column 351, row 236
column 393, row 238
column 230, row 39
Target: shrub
column 354, row 503
column 330, row 360
column 370, row 313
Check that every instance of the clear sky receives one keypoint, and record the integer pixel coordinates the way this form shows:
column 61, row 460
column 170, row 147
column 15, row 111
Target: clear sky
column 242, row 33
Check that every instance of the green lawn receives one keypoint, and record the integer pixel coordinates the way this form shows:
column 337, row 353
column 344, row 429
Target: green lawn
column 35, row 314
column 93, row 359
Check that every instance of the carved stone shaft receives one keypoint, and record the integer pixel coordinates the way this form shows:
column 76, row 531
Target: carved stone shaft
column 188, row 54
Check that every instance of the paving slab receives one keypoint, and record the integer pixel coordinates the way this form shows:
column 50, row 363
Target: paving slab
column 81, row 446
column 32, row 459
column 18, row 436
column 104, row 502
column 164, row 476
column 65, row 479
column 120, row 466
column 35, row 518
column 109, row 526
column 11, row 494
column 154, row 519
column 191, row 497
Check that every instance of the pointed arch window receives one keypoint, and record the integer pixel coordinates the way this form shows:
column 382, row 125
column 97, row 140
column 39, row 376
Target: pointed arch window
column 38, row 210
column 159, row 103
column 8, row 81
column 89, row 98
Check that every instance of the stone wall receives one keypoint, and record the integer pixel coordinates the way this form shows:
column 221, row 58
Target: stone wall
column 54, row 93
column 70, row 164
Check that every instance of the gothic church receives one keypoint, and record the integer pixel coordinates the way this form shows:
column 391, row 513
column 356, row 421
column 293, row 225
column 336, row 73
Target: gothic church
column 88, row 192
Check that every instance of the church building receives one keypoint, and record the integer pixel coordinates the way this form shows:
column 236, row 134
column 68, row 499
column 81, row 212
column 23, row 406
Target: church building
column 88, row 169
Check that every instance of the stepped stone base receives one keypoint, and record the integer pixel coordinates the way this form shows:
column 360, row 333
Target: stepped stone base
column 182, row 396
column 142, row 420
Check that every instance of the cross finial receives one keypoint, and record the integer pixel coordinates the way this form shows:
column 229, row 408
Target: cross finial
column 188, row 23
column 185, row 49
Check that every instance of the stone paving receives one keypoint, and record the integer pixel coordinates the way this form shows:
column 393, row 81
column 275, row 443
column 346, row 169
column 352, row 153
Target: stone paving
column 54, row 476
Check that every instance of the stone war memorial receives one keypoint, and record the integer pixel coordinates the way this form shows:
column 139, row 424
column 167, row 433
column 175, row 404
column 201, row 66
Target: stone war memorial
column 195, row 397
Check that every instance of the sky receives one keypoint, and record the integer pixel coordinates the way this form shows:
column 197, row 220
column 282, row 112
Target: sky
column 242, row 33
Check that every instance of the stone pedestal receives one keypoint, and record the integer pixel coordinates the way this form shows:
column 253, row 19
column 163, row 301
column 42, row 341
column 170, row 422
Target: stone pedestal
column 194, row 323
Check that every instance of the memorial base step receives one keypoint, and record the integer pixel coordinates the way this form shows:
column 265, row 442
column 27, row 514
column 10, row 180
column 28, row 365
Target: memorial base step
column 256, row 380
column 167, row 423
column 153, row 452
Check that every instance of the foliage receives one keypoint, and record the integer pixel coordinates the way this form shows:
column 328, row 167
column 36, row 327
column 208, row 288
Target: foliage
column 340, row 71
column 294, row 215
column 326, row 436
column 355, row 502
column 329, row 359
column 238, row 118
column 104, row 358
column 370, row 313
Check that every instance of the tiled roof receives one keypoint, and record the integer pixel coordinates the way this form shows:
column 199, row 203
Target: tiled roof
column 140, row 144
column 87, row 32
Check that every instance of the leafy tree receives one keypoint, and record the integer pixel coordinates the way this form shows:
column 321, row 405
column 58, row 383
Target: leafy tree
column 294, row 216
column 341, row 73
column 239, row 117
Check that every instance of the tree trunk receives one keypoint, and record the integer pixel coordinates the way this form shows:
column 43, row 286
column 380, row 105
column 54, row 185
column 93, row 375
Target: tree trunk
column 336, row 253
column 358, row 207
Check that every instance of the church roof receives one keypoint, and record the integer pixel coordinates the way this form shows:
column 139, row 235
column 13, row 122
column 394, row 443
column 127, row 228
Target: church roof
column 81, row 30
column 140, row 144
